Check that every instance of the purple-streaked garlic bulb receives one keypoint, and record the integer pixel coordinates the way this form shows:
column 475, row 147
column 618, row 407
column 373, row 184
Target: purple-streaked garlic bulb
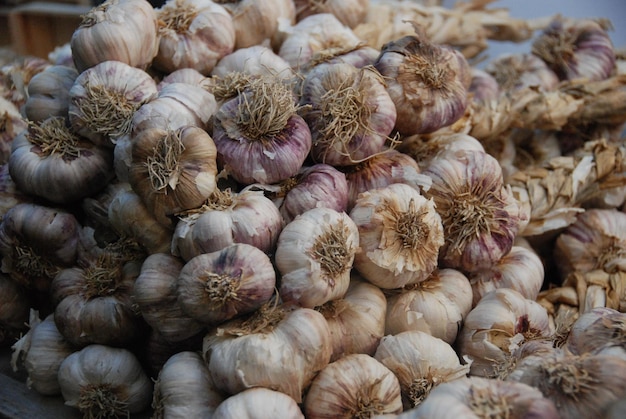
column 521, row 70
column 427, row 82
column 49, row 93
column 483, row 85
column 575, row 48
column 349, row 112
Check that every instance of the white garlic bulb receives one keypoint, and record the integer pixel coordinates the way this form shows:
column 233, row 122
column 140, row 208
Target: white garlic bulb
column 400, row 235
column 421, row 362
column 314, row 256
column 600, row 330
column 258, row 403
column 49, row 93
column 350, row 12
column 436, row 306
column 355, row 385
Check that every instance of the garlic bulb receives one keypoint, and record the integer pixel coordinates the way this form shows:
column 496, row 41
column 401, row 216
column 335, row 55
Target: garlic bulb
column 318, row 185
column 350, row 13
column 500, row 322
column 436, row 306
column 218, row 286
column 11, row 124
column 155, row 294
column 315, row 39
column 349, row 112
column 15, row 76
column 400, row 234
column 314, row 256
column 183, row 389
column 36, row 242
column 49, row 93
column 479, row 398
column 421, row 362
column 14, row 309
column 194, row 34
column 383, row 169
column 173, row 170
column 184, row 75
column 281, row 347
column 49, row 161
column 93, row 304
column 424, row 149
column 600, row 330
column 259, row 135
column 252, row 61
column 480, row 215
column 484, row 86
column 104, row 98
column 119, row 30
column 354, row 386
column 258, row 403
column 427, row 83
column 357, row 320
column 226, row 218
column 177, row 104
column 43, row 354
column 579, row 385
column 521, row 269
column 522, row 70
column 576, row 48
column 103, row 381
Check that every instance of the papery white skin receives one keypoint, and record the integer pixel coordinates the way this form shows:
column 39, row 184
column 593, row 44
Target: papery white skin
column 356, row 321
column 184, row 389
column 600, row 330
column 184, row 75
column 500, row 322
column 400, row 235
column 284, row 355
column 521, row 269
column 424, row 150
column 314, row 256
column 197, row 44
column 107, row 367
column 154, row 292
column 436, row 306
column 255, row 60
column 421, row 362
column 350, row 12
column 352, row 386
column 244, row 217
column 122, row 87
column 258, row 403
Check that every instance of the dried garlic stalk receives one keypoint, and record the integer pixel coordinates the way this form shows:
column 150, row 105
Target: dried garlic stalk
column 556, row 191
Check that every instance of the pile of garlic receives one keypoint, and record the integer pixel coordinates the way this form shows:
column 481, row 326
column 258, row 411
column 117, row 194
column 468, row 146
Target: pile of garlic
column 292, row 208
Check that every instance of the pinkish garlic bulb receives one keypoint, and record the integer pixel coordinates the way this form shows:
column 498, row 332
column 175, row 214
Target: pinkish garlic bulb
column 517, row 71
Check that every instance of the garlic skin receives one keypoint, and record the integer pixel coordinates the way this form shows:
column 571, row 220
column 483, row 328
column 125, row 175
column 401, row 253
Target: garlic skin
column 218, row 286
column 521, row 269
column 484, row 86
column 316, row 39
column 103, row 381
column 383, row 169
column 425, row 149
column 522, row 70
column 281, row 347
column 11, row 124
column 478, row 397
column 119, row 30
column 349, row 112
column 314, row 256
column 350, row 13
column 579, row 385
column 318, row 185
column 600, row 330
column 157, row 350
column 183, row 389
column 195, row 34
column 258, row 403
column 155, row 294
column 255, row 60
column 500, row 322
column 173, row 170
column 226, row 218
column 355, row 385
column 259, row 136
column 49, row 161
column 436, row 306
column 426, row 82
column 49, row 93
column 480, row 215
column 400, row 234
column 576, row 48
column 184, row 75
column 104, row 98
column 14, row 310
column 36, row 242
column 357, row 320
column 421, row 362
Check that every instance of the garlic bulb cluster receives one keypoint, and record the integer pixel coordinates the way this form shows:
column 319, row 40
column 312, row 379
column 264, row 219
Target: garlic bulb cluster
column 400, row 234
